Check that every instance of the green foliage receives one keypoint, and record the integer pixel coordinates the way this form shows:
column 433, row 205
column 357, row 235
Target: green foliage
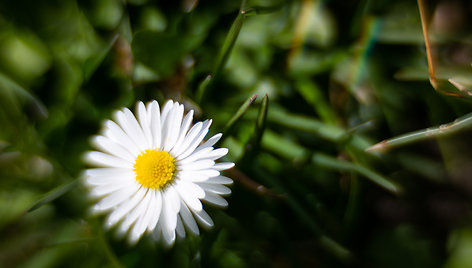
column 337, row 84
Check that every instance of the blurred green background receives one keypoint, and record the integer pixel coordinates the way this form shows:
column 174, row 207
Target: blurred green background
column 332, row 78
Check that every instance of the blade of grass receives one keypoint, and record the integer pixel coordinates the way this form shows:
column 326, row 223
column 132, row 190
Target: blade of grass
column 261, row 121
column 223, row 55
column 54, row 194
column 330, row 162
column 229, row 42
column 252, row 147
column 237, row 116
column 425, row 134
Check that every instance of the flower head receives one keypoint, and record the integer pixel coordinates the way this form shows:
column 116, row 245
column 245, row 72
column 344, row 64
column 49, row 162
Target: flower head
column 153, row 171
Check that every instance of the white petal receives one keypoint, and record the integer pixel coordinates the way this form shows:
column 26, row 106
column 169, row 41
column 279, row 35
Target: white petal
column 210, row 142
column 134, row 234
column 118, row 213
column 128, row 123
column 203, row 218
column 198, row 175
column 180, row 228
column 109, row 146
column 172, row 198
column 191, row 135
column 144, row 122
column 198, row 165
column 223, row 166
column 102, row 190
column 183, row 131
column 143, row 221
column 168, row 238
column 120, row 176
column 219, row 180
column 189, row 193
column 117, row 134
column 156, row 212
column 108, row 172
column 115, row 198
column 188, row 219
column 217, row 153
column 105, row 160
column 156, row 234
column 195, row 175
column 135, row 129
column 200, row 154
column 195, row 142
column 172, row 127
column 165, row 111
column 168, row 221
column 135, row 213
column 148, row 109
column 215, row 188
column 148, row 218
column 189, row 187
column 215, row 200
column 156, row 128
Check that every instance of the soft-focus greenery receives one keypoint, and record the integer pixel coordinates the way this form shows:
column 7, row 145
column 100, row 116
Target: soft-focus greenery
column 333, row 78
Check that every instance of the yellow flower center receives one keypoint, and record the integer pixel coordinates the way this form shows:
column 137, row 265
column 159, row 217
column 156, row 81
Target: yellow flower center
column 154, row 169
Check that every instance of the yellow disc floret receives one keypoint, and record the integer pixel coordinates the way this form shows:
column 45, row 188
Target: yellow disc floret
column 154, row 169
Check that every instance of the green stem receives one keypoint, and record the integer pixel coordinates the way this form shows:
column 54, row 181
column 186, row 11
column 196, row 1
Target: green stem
column 425, row 134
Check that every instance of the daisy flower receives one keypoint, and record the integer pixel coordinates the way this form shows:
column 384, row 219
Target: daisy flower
column 153, row 171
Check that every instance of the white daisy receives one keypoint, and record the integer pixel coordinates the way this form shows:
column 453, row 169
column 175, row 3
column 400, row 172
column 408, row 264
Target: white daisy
column 154, row 171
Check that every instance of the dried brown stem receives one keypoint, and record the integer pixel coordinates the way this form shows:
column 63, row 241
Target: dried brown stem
column 250, row 184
